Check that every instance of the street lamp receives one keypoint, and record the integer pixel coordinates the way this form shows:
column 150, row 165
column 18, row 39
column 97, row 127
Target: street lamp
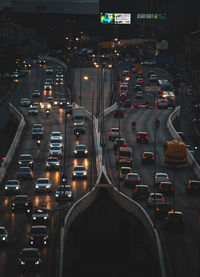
column 86, row 77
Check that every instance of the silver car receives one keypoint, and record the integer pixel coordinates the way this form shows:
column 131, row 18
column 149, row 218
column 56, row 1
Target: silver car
column 12, row 186
column 52, row 163
column 55, row 151
column 42, row 184
column 79, row 172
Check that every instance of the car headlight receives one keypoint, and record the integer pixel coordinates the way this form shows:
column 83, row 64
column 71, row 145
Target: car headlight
column 37, row 186
column 3, row 238
column 13, row 204
column 20, row 162
column 47, row 186
column 30, row 162
column 31, row 238
column 57, row 164
column 85, row 151
column 34, row 218
column 69, row 195
column 37, row 262
column 6, row 187
column 74, row 173
column 47, row 164
column 45, row 217
column 84, row 173
column 22, row 262
column 75, row 151
column 57, row 195
column 16, row 188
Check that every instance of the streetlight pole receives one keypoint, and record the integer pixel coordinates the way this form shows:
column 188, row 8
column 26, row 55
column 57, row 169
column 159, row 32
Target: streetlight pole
column 80, row 96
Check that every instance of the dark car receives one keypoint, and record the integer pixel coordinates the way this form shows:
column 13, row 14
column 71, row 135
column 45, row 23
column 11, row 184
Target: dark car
column 80, row 150
column 166, row 188
column 40, row 215
column 79, row 127
column 148, row 158
column 193, row 187
column 128, row 104
column 124, row 170
column 20, row 202
column 64, row 192
column 118, row 143
column 24, row 172
column 142, row 137
column 138, row 87
column 63, row 103
column 141, row 192
column 118, row 113
column 3, row 235
column 175, row 221
column 38, row 235
column 29, row 258
column 69, row 109
column 36, row 93
column 25, row 160
column 12, row 186
column 162, row 209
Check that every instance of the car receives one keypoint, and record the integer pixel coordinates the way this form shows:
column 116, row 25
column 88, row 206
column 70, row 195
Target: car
column 138, row 87
column 139, row 74
column 64, row 192
column 20, row 202
column 151, row 72
column 79, row 127
column 56, row 151
column 29, row 258
column 69, row 109
column 181, row 134
column 123, row 95
column 148, row 158
column 142, row 137
column 40, row 215
column 128, row 104
column 162, row 103
column 26, row 160
column 165, row 188
column 36, row 93
column 38, row 235
column 32, row 111
column 141, row 192
column 56, row 135
column 114, row 133
column 153, row 78
column 175, row 221
column 126, row 73
column 59, row 81
column 56, row 142
column 124, row 170
column 161, row 177
column 79, row 172
column 63, row 103
column 162, row 209
column 135, row 103
column 50, row 100
column 193, row 187
column 35, row 105
column 155, row 199
column 45, row 105
column 118, row 143
column 59, row 75
column 189, row 90
column 132, row 179
column 118, row 113
column 49, row 69
column 47, row 86
column 52, row 163
column 12, row 186
column 43, row 185
column 139, row 80
column 3, row 235
column 80, row 150
column 139, row 94
column 24, row 172
column 49, row 81
column 37, row 131
column 25, row 102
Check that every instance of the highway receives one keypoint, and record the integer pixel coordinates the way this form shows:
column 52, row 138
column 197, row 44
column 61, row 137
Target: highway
column 182, row 247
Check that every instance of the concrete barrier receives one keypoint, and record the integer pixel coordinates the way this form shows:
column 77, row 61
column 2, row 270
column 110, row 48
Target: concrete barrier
column 15, row 142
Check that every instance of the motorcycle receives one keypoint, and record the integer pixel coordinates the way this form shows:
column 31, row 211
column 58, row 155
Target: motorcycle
column 133, row 125
column 47, row 113
column 38, row 143
column 77, row 134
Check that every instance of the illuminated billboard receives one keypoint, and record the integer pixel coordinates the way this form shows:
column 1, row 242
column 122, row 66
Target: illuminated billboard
column 116, row 18
column 107, row 18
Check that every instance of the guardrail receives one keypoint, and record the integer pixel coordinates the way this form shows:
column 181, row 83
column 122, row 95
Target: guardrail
column 190, row 158
column 15, row 141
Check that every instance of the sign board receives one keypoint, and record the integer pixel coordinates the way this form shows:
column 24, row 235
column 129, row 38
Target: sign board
column 152, row 88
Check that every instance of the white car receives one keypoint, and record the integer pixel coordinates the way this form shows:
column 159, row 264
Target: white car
column 161, row 177
column 42, row 184
column 56, row 135
column 155, row 198
column 55, row 151
column 79, row 172
column 114, row 133
column 56, row 142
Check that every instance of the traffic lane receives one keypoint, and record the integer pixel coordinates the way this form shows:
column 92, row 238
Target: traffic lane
column 40, row 156
column 184, row 242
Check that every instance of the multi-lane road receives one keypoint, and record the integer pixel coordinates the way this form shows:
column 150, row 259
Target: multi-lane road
column 182, row 247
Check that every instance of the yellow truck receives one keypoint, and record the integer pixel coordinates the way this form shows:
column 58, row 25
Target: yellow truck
column 175, row 152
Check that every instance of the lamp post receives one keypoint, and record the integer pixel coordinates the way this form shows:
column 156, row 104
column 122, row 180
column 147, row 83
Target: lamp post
column 86, row 77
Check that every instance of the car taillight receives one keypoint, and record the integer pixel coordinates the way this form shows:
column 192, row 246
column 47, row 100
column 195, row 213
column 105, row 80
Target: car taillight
column 146, row 137
column 121, row 172
column 149, row 199
column 110, row 133
column 152, row 158
column 138, row 137
column 144, row 157
column 172, row 188
column 161, row 188
column 115, row 143
column 189, row 187
column 163, row 200
column 184, row 159
column 156, row 179
column 120, row 133
column 158, row 209
column 138, row 179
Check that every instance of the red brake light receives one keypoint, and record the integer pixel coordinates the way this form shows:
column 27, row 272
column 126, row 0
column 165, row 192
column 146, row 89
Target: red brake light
column 115, row 143
column 158, row 209
column 172, row 188
column 152, row 158
column 121, row 172
column 163, row 200
column 189, row 187
column 156, row 179
column 110, row 133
